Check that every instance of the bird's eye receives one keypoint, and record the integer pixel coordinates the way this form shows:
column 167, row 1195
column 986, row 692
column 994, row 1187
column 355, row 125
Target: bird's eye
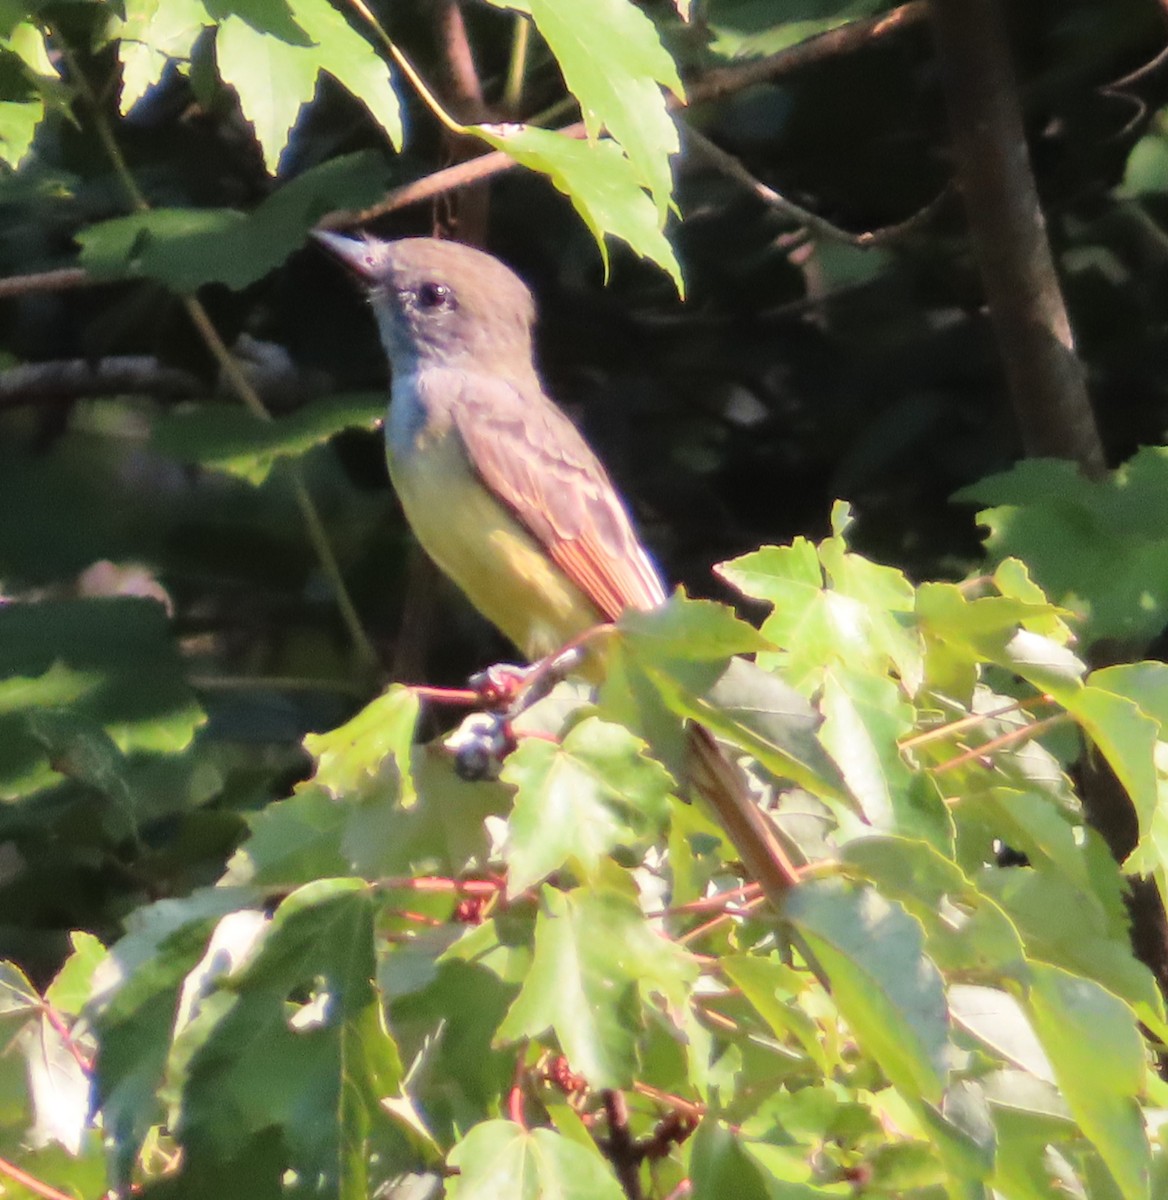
column 435, row 295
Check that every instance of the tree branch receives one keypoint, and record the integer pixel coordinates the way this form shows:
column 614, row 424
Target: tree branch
column 72, row 379
column 846, row 39
column 729, row 166
column 60, row 279
column 1008, row 232
column 619, row 1147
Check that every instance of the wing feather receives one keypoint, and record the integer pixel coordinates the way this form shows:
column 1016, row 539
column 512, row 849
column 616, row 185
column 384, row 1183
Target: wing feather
column 536, row 462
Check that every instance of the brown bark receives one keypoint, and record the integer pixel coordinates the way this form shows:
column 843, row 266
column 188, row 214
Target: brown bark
column 1008, row 235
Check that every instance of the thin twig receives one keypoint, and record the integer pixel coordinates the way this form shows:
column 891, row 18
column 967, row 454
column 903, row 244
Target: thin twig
column 721, row 785
column 733, row 169
column 33, row 1184
column 66, row 380
column 517, row 66
column 59, row 279
column 463, row 174
column 1025, row 734
column 440, row 884
column 846, row 39
column 407, row 68
column 712, row 85
column 723, row 918
column 964, row 723
column 716, row 902
column 276, row 683
column 62, row 1030
column 670, row 1100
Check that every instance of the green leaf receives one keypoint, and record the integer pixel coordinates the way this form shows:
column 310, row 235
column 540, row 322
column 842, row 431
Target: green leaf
column 1147, row 166
column 19, row 121
column 889, row 993
column 830, row 605
column 1126, row 736
column 720, row 1167
column 152, row 34
column 613, row 62
column 1128, row 748
column 276, row 76
column 694, row 630
column 1068, row 926
column 232, row 440
column 186, row 248
column 578, row 800
column 70, row 990
column 601, row 182
column 500, row 1158
column 584, row 986
column 444, row 832
column 470, row 1074
column 58, row 1086
column 771, row 987
column 1032, row 824
column 1098, row 1058
column 983, row 942
column 80, row 749
column 292, row 841
column 864, row 715
column 1000, row 1024
column 756, row 711
column 358, row 756
column 29, row 86
column 135, row 995
column 748, row 30
column 112, row 661
column 18, row 998
column 294, row 1038
column 986, row 625
column 1144, row 683
column 1099, row 548
column 273, row 17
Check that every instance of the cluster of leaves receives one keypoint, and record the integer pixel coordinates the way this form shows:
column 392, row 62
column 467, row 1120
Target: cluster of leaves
column 272, row 55
column 387, row 979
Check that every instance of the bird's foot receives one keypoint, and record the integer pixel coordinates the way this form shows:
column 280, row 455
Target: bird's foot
column 499, row 685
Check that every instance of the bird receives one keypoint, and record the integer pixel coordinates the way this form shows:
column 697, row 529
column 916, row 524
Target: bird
column 500, row 488
column 498, row 485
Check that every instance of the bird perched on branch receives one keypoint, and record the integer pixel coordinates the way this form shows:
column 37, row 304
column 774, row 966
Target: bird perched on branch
column 500, row 488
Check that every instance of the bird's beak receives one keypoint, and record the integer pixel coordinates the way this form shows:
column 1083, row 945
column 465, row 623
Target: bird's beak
column 356, row 254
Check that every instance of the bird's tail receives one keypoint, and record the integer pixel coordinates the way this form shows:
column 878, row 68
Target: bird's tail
column 721, row 784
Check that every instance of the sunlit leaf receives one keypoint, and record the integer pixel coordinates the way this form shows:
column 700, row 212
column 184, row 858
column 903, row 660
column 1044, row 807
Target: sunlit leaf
column 578, row 800
column 585, row 987
column 500, row 1158
column 886, row 989
column 600, row 180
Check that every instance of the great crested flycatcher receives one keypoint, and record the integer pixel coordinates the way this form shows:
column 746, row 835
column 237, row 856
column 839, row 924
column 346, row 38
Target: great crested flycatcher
column 499, row 486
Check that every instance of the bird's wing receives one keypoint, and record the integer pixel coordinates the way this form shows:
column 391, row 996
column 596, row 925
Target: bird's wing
column 534, row 460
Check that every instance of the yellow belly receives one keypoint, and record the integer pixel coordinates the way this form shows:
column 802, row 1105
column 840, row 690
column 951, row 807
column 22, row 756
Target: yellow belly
column 501, row 568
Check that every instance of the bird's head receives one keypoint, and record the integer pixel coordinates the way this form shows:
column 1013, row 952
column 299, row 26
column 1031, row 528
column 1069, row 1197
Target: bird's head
column 441, row 303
